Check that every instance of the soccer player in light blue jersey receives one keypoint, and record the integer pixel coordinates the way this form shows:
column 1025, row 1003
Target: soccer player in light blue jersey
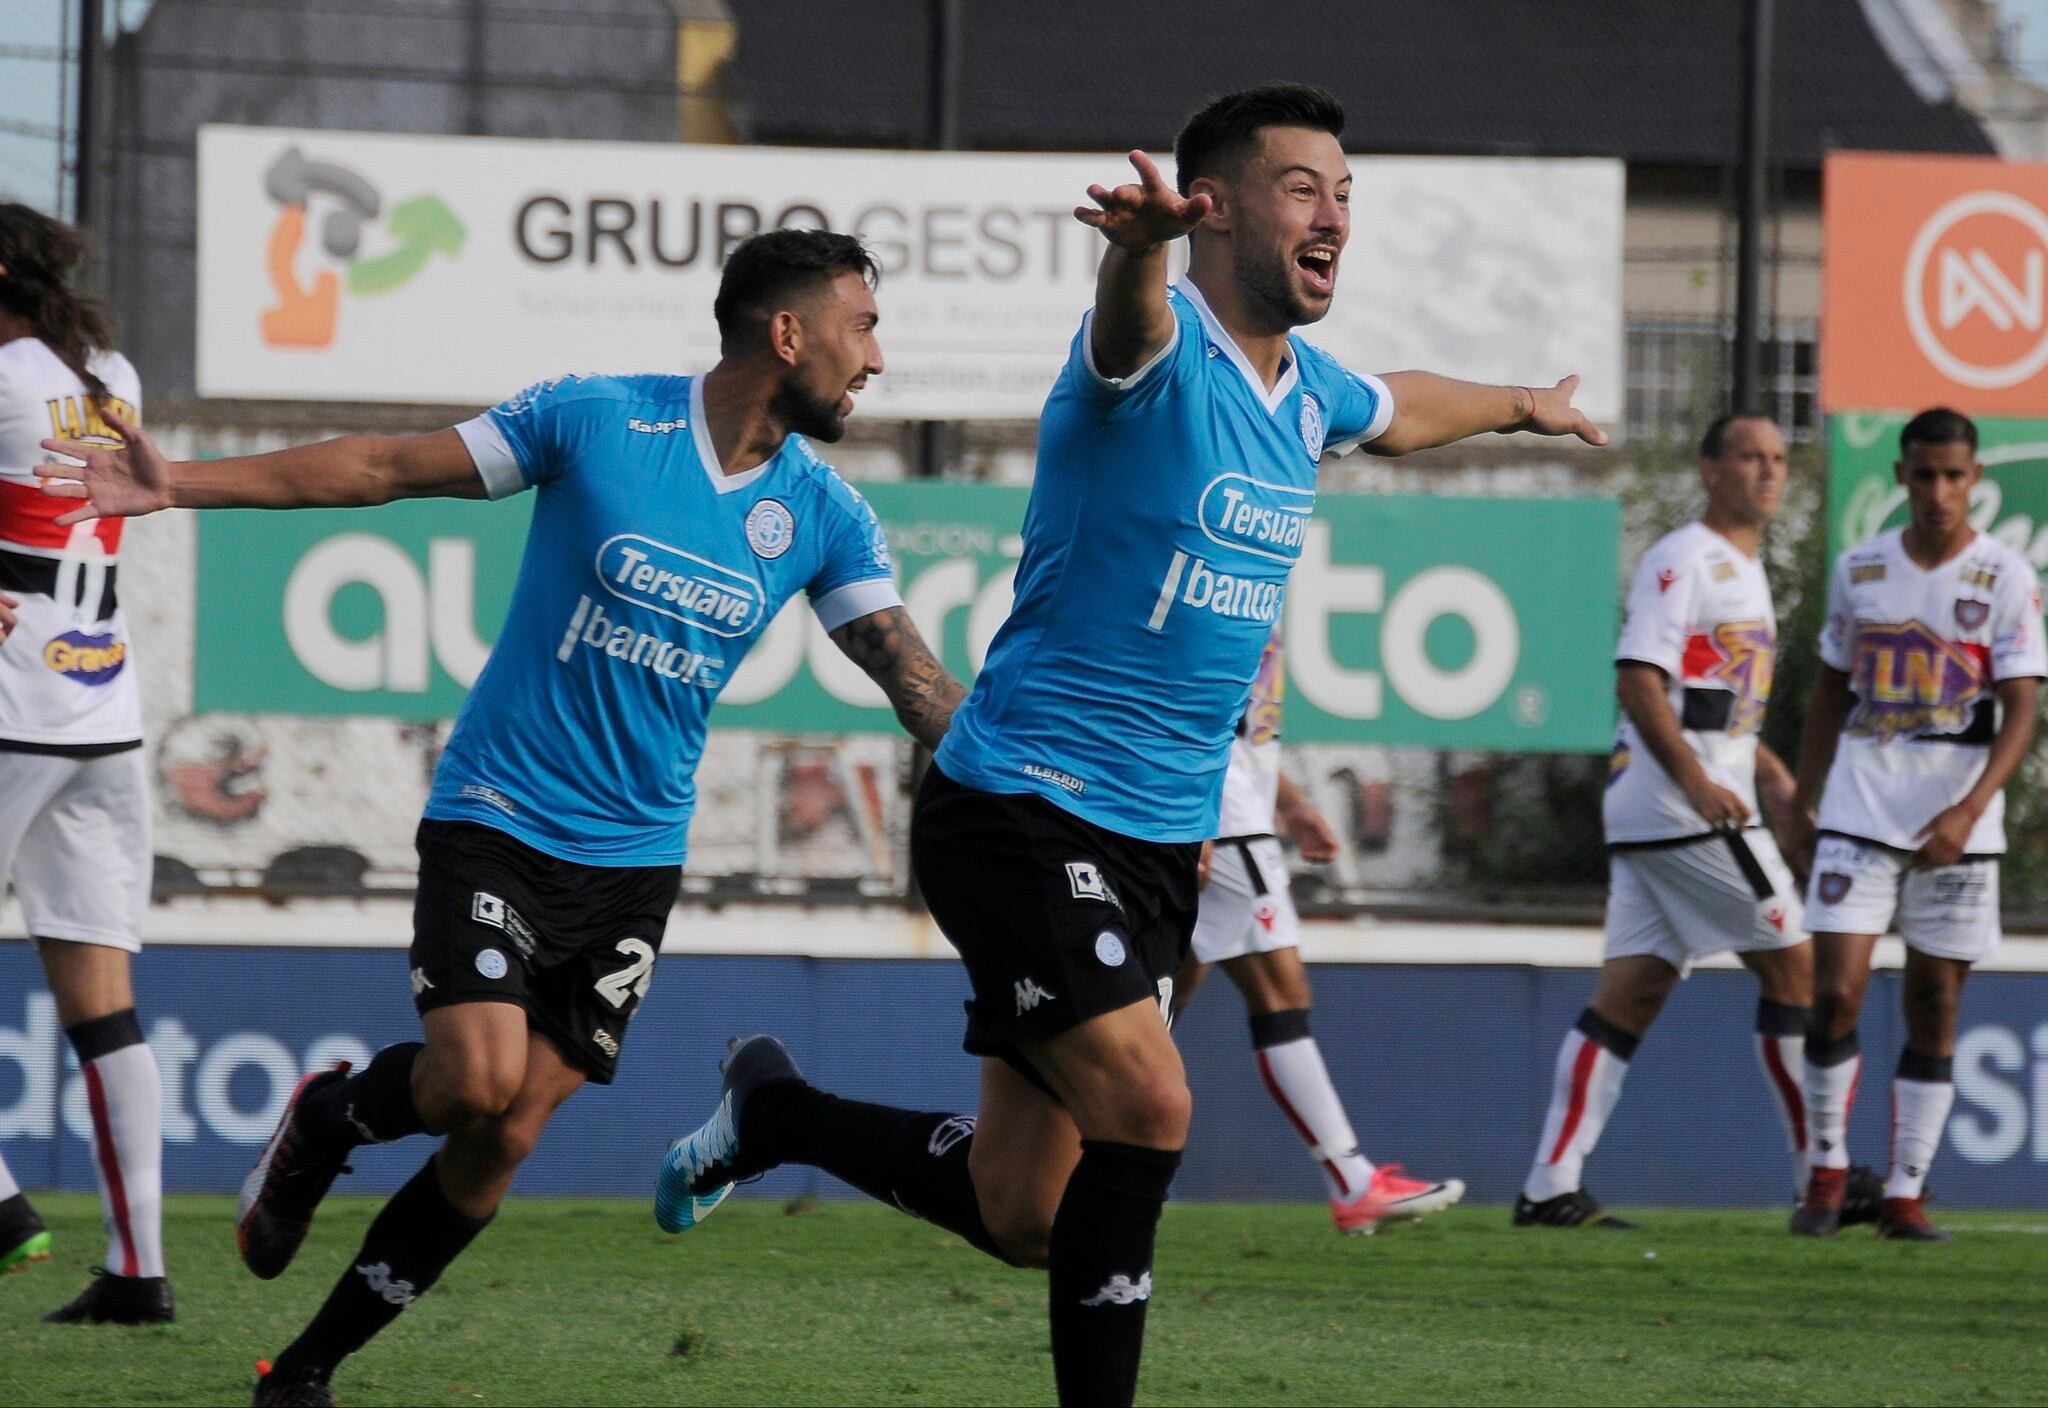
column 675, row 516
column 1056, row 835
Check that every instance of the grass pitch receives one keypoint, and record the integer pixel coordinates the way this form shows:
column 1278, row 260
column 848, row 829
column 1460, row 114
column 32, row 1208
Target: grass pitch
column 566, row 1301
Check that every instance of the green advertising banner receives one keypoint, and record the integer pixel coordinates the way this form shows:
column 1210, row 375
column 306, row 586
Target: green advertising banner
column 1421, row 621
column 1864, row 499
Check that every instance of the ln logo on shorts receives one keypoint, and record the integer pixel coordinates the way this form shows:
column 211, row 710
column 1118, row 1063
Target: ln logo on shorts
column 491, row 964
column 1087, row 883
column 1109, row 949
column 1832, row 887
column 771, row 528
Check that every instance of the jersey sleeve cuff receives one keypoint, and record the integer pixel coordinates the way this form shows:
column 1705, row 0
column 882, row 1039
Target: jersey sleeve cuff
column 855, row 600
column 1121, row 384
column 495, row 463
column 1382, row 417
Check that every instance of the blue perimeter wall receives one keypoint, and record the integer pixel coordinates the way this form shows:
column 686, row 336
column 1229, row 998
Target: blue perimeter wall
column 1445, row 1068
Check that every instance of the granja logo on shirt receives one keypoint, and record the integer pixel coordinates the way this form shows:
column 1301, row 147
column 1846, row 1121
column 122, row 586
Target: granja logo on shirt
column 1910, row 680
column 90, row 660
column 1255, row 516
column 680, row 585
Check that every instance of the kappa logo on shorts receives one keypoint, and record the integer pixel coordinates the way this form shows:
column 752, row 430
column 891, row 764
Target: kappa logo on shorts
column 420, row 981
column 606, row 1042
column 1109, row 949
column 1166, row 1001
column 1030, row 994
column 949, row 1134
column 1831, row 887
column 1084, row 877
column 492, row 964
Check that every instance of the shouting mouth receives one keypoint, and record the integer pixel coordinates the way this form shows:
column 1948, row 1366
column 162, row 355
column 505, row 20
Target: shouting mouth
column 1318, row 267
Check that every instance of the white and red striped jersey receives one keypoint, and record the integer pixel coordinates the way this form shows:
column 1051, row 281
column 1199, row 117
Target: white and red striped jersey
column 1252, row 786
column 66, row 679
column 1700, row 611
column 1924, row 652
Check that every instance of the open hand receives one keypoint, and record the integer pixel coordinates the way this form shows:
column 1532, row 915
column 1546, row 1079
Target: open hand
column 1145, row 215
column 120, row 481
column 1552, row 413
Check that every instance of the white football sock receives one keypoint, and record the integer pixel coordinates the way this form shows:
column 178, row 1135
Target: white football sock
column 8, row 1187
column 1300, row 1085
column 1919, row 1114
column 125, row 1095
column 1584, row 1087
column 1830, row 1094
column 1783, row 1059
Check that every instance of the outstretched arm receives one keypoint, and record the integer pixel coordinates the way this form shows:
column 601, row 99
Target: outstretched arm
column 134, row 478
column 1132, row 321
column 887, row 645
column 1431, row 410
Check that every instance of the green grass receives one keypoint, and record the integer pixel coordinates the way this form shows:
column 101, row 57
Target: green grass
column 586, row 1302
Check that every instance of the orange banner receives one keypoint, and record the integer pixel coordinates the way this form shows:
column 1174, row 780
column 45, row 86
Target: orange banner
column 1933, row 284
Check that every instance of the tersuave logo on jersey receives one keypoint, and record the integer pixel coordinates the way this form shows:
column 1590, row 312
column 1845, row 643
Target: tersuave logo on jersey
column 1246, row 515
column 1909, row 680
column 680, row 585
column 90, row 660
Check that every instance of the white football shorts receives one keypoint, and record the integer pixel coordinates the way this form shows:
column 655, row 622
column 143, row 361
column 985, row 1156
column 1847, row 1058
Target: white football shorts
column 75, row 843
column 1246, row 907
column 1950, row 911
column 1728, row 892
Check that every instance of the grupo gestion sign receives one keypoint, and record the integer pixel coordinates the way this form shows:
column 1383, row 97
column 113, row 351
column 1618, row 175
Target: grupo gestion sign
column 353, row 267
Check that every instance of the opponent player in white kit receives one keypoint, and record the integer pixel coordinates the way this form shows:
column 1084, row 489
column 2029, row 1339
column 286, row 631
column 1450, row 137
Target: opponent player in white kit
column 1691, row 871
column 1924, row 707
column 74, row 792
column 1246, row 922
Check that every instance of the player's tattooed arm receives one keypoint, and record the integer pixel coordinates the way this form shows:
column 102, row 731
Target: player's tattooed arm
column 1432, row 410
column 135, row 478
column 887, row 645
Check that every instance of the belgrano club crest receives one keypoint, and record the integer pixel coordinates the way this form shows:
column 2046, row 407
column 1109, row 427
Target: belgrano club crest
column 1312, row 426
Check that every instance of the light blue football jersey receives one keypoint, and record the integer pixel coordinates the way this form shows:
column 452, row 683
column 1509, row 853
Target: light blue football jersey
column 647, row 574
column 1166, row 514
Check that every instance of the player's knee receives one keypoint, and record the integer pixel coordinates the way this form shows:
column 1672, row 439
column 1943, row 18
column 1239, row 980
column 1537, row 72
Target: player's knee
column 1155, row 1111
column 512, row 1137
column 1835, row 995
column 476, row 1096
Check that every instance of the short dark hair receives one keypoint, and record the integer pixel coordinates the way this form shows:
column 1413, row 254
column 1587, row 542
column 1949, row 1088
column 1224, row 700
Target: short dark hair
column 1712, row 438
column 1223, row 131
column 765, row 271
column 1940, row 426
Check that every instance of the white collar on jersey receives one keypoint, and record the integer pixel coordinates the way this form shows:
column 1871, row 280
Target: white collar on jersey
column 700, row 430
column 1289, row 374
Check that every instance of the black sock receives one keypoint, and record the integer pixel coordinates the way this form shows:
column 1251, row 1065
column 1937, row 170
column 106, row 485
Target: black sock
column 405, row 1251
column 915, row 1160
column 1831, row 1051
column 1601, row 1032
column 373, row 1106
column 1101, row 1269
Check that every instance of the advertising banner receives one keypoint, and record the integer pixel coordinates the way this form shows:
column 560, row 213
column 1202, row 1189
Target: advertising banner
column 1410, row 621
column 355, row 267
column 234, row 1028
column 2010, row 503
column 1933, row 287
